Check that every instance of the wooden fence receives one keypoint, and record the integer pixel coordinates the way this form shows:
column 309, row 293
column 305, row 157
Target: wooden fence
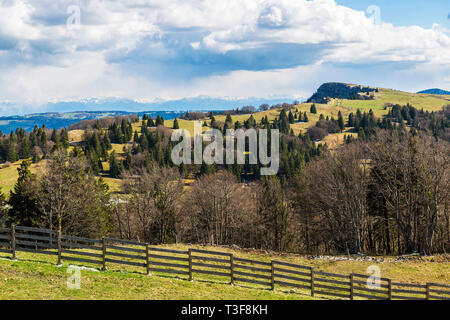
column 212, row 266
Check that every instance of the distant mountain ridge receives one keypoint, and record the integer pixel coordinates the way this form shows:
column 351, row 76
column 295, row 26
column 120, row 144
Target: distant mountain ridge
column 435, row 91
column 57, row 120
column 64, row 113
column 201, row 103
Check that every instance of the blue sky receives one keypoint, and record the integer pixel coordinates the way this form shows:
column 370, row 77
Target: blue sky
column 152, row 50
column 407, row 12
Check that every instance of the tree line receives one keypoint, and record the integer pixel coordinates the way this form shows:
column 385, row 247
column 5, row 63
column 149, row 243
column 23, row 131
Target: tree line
column 154, row 145
column 37, row 144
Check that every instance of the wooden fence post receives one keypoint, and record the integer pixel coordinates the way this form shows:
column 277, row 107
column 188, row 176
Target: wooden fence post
column 59, row 248
column 272, row 275
column 352, row 284
column 232, row 269
column 13, row 242
column 190, row 265
column 312, row 281
column 428, row 290
column 147, row 258
column 104, row 253
column 389, row 289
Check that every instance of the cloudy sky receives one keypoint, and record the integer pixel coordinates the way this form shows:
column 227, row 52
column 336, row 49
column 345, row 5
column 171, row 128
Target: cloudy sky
column 169, row 49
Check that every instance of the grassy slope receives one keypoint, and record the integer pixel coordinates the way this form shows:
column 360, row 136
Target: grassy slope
column 37, row 277
column 419, row 101
column 425, row 101
column 31, row 280
column 9, row 175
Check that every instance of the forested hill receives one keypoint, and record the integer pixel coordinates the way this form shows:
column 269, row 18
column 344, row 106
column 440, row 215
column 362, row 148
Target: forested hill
column 435, row 91
column 331, row 90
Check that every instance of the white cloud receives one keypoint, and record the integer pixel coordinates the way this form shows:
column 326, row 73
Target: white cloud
column 272, row 17
column 172, row 48
column 14, row 19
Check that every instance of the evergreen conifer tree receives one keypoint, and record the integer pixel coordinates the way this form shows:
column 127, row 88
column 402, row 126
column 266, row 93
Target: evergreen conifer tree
column 175, row 124
column 341, row 121
column 24, row 209
column 114, row 166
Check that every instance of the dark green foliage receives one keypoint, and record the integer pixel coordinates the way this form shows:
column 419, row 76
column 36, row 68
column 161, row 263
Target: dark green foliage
column 284, row 126
column 364, row 123
column 250, row 123
column 21, row 145
column 150, row 122
column 96, row 150
column 265, row 122
column 291, row 118
column 154, row 146
column 348, row 139
column 351, row 120
column 341, row 121
column 115, row 168
column 122, row 133
column 43, row 137
column 107, row 142
column 24, row 209
column 213, row 120
column 54, row 137
column 11, row 154
column 159, row 121
column 3, row 210
column 127, row 161
column 64, row 136
column 434, row 123
column 175, row 124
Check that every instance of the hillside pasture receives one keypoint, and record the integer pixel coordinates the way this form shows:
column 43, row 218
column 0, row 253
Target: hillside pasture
column 9, row 175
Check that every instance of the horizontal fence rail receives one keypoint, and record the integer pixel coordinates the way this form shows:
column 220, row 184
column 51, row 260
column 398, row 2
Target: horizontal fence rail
column 212, row 265
column 35, row 240
column 252, row 271
column 5, row 240
column 168, row 261
column 79, row 249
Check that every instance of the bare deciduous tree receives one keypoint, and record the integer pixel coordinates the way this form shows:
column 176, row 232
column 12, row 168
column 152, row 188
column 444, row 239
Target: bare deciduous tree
column 216, row 208
column 334, row 189
column 153, row 198
column 72, row 198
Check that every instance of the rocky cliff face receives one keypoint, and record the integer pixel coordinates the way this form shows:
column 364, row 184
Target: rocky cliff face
column 332, row 90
